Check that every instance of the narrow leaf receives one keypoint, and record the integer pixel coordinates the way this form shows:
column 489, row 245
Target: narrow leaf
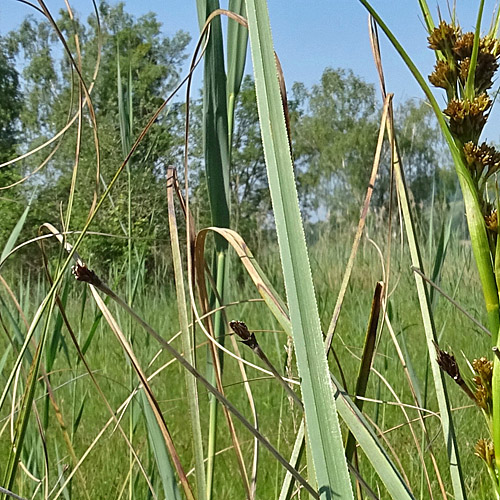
column 319, row 402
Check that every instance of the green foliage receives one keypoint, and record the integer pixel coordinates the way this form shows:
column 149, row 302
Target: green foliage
column 334, row 129
column 334, row 137
column 335, row 133
column 249, row 188
column 50, row 89
column 10, row 104
column 10, row 109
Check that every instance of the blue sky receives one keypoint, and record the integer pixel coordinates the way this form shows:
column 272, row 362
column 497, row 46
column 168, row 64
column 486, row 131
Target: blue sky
column 310, row 36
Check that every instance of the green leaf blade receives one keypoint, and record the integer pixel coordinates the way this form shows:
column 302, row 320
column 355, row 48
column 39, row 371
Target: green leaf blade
column 320, row 409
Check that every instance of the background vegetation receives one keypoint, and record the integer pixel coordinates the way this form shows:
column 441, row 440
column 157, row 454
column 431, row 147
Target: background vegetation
column 334, row 131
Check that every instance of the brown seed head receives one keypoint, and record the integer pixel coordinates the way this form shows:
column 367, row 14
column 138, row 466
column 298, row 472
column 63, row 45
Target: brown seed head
column 448, row 364
column 491, row 221
column 463, row 70
column 443, row 76
column 484, row 372
column 463, row 45
column 485, row 70
column 83, row 273
column 481, row 160
column 482, row 397
column 484, row 368
column 486, row 60
column 444, row 37
column 487, row 67
column 485, row 451
column 490, row 45
column 468, row 117
column 242, row 331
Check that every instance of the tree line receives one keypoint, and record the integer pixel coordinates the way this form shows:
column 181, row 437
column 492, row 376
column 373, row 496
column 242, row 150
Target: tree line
column 334, row 128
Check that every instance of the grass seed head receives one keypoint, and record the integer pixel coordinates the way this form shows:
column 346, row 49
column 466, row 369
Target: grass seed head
column 491, row 221
column 482, row 161
column 484, row 373
column 241, row 329
column 448, row 364
column 484, row 450
column 444, row 76
column 444, row 37
column 462, row 48
column 468, row 117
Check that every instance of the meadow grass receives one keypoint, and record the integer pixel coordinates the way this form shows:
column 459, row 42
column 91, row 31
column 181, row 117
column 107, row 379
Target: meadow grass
column 106, row 469
column 51, row 435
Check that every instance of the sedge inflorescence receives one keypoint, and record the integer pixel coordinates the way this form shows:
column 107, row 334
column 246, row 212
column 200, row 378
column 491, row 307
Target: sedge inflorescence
column 466, row 64
column 468, row 101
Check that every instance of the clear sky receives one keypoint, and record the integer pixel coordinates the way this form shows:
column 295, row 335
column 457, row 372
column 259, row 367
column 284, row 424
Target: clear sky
column 311, row 35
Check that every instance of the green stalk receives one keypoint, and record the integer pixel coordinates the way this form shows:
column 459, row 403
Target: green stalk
column 366, row 363
column 430, row 333
column 125, row 121
column 26, row 406
column 469, row 85
column 237, row 41
column 475, row 221
column 216, row 152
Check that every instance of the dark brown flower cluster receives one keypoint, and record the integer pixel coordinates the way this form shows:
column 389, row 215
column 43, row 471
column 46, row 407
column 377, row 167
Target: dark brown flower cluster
column 449, row 365
column 482, row 380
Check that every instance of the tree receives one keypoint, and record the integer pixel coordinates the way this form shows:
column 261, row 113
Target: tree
column 250, row 193
column 150, row 65
column 10, row 108
column 335, row 134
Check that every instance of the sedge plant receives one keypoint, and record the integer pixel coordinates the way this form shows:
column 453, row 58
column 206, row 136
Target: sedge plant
column 465, row 67
column 466, row 64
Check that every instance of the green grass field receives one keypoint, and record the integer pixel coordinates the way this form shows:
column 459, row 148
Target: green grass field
column 106, row 471
column 115, row 385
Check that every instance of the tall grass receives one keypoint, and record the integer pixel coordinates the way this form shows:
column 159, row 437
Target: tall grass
column 91, row 377
column 105, row 358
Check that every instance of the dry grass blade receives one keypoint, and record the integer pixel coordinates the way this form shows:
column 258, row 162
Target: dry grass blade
column 427, row 318
column 418, row 446
column 361, row 225
column 246, row 385
column 18, row 431
column 346, row 407
column 253, row 409
column 72, row 120
column 149, row 393
column 85, row 89
column 241, row 329
column 11, row 494
column 452, row 301
column 86, row 275
column 81, row 356
column 103, row 288
column 273, row 301
column 191, row 387
column 216, row 151
column 72, row 248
